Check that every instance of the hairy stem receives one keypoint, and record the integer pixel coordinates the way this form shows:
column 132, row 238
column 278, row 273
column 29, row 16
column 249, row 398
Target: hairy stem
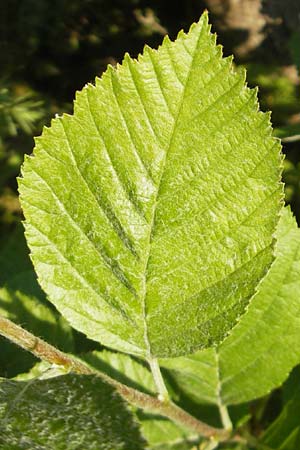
column 38, row 347
column 47, row 352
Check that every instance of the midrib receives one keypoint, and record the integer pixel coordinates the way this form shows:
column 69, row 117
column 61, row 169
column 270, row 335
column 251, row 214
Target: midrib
column 150, row 236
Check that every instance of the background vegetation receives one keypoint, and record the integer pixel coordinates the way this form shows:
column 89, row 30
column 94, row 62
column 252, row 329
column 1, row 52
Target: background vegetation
column 50, row 49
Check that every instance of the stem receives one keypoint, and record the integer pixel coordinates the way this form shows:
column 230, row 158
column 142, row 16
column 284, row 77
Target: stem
column 47, row 352
column 225, row 418
column 38, row 347
column 163, row 394
column 293, row 138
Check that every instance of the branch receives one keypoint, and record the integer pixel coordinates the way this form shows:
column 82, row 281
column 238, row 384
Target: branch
column 47, row 352
column 39, row 348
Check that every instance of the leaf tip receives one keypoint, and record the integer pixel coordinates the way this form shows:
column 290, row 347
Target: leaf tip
column 205, row 16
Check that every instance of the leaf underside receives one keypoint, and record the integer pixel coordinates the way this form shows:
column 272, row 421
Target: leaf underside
column 263, row 347
column 150, row 211
column 71, row 411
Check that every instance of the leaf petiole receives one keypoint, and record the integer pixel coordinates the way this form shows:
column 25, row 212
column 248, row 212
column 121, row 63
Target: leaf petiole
column 162, row 391
column 225, row 418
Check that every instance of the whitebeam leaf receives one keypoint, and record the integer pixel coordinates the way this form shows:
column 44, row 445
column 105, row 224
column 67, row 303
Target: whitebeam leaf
column 150, row 212
column 65, row 412
column 264, row 346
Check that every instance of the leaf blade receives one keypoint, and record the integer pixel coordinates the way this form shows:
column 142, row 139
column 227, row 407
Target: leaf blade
column 151, row 226
column 252, row 360
column 83, row 411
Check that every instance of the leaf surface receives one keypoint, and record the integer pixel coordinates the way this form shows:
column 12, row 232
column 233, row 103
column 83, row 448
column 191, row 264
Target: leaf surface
column 162, row 434
column 264, row 346
column 67, row 412
column 150, row 211
column 122, row 368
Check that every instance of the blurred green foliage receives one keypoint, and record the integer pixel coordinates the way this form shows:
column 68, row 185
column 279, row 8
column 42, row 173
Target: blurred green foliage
column 277, row 91
column 294, row 48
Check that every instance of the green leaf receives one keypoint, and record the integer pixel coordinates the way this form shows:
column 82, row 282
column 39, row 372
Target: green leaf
column 42, row 370
column 284, row 432
column 19, row 112
column 264, row 346
column 162, row 434
column 71, row 411
column 122, row 368
column 150, row 212
column 22, row 301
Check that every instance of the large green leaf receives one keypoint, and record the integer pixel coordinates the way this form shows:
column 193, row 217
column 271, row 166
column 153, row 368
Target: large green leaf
column 65, row 413
column 264, row 346
column 150, row 212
